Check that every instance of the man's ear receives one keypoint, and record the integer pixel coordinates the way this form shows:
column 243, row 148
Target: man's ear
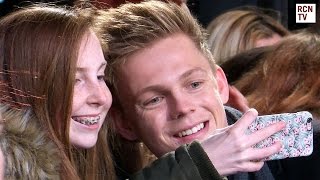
column 122, row 125
column 223, row 86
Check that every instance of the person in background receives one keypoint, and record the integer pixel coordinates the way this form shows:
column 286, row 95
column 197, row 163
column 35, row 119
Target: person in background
column 242, row 29
column 286, row 79
column 239, row 30
column 169, row 92
column 234, row 68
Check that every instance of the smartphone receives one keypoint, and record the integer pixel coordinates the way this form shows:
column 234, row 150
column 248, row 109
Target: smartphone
column 296, row 137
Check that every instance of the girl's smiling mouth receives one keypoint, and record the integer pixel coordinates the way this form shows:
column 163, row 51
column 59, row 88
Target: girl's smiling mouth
column 88, row 121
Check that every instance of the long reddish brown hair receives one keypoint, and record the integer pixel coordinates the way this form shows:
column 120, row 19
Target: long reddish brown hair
column 287, row 78
column 38, row 54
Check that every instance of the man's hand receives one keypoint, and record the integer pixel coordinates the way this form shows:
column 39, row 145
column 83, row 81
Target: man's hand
column 231, row 150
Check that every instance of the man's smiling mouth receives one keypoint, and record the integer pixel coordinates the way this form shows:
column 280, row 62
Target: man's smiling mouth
column 192, row 130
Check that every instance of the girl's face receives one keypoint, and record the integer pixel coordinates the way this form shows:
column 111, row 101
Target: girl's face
column 92, row 98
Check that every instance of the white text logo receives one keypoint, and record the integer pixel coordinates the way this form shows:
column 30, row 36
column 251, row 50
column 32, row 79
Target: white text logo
column 305, row 13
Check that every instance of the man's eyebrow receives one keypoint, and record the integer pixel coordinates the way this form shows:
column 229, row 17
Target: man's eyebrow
column 192, row 71
column 150, row 88
column 183, row 76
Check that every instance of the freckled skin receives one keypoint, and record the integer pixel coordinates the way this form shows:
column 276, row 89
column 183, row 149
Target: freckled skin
column 92, row 98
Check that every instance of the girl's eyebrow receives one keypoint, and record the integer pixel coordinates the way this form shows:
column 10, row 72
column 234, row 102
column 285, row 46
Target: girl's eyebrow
column 83, row 69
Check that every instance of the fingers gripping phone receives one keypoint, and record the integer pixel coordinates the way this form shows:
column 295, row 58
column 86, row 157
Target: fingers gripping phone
column 296, row 137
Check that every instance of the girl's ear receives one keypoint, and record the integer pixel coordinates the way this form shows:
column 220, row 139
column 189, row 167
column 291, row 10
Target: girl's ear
column 122, row 125
column 223, row 86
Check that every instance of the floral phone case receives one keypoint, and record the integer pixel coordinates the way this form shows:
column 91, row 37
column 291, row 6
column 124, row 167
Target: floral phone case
column 296, row 137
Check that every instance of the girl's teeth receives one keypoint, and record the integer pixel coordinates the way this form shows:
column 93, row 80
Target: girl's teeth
column 192, row 130
column 87, row 120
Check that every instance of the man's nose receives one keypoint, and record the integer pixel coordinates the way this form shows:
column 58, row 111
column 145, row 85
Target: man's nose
column 181, row 105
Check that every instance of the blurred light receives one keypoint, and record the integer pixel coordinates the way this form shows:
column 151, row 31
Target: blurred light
column 1, row 1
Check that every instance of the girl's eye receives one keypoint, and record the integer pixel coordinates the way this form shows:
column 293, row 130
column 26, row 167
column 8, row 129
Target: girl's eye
column 77, row 81
column 101, row 78
column 195, row 85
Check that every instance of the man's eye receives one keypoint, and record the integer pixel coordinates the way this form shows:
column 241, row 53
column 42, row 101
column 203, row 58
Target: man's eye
column 153, row 101
column 195, row 85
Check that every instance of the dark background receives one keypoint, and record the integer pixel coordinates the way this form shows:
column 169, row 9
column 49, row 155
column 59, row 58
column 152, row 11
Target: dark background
column 204, row 10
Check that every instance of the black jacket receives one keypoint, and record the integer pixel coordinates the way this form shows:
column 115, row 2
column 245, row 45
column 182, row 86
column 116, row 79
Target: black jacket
column 188, row 162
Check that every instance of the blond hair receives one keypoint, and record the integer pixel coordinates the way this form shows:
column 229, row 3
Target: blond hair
column 238, row 30
column 133, row 27
column 286, row 78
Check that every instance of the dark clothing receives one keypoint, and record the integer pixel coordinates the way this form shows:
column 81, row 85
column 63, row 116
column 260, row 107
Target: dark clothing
column 300, row 167
column 187, row 162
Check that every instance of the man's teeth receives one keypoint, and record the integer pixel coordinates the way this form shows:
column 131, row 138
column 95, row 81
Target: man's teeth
column 87, row 120
column 192, row 130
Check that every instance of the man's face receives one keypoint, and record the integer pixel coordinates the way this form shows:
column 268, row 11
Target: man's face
column 170, row 95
